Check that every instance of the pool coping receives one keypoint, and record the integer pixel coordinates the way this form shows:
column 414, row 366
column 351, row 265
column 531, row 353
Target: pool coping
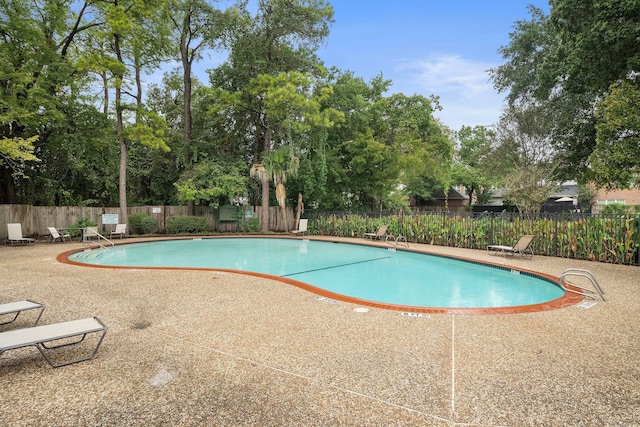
column 566, row 300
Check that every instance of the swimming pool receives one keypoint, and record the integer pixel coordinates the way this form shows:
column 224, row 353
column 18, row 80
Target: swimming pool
column 371, row 275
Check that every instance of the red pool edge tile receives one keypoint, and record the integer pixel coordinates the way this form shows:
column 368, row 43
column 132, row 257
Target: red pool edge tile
column 566, row 300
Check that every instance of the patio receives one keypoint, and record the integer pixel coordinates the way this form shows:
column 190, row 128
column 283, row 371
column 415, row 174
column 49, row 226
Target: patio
column 196, row 348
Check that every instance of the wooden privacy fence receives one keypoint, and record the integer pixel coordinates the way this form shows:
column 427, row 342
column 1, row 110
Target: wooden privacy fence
column 36, row 219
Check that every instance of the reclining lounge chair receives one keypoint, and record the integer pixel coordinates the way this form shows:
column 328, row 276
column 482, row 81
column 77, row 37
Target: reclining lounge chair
column 382, row 232
column 121, row 230
column 522, row 247
column 14, row 234
column 55, row 235
column 48, row 338
column 14, row 309
column 302, row 227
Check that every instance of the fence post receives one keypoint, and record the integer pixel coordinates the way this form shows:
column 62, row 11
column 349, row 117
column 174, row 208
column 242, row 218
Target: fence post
column 491, row 242
column 556, row 244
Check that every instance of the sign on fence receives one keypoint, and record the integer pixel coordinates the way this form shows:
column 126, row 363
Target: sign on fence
column 109, row 219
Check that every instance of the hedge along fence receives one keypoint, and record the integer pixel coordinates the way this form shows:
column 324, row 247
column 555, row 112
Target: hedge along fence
column 603, row 238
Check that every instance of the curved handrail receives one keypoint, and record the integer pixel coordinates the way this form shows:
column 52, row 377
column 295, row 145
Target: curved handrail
column 100, row 236
column 396, row 240
column 580, row 272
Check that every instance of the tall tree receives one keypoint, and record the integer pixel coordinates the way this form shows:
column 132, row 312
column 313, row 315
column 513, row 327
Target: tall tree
column 37, row 76
column 278, row 165
column 523, row 160
column 294, row 109
column 198, row 27
column 564, row 63
column 616, row 158
column 126, row 22
column 385, row 146
column 470, row 168
column 281, row 38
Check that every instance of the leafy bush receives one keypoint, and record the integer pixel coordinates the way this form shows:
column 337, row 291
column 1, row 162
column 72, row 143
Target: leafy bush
column 604, row 238
column 250, row 226
column 140, row 223
column 614, row 208
column 76, row 229
column 186, row 224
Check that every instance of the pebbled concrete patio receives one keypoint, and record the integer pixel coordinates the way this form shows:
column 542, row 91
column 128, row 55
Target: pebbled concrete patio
column 191, row 348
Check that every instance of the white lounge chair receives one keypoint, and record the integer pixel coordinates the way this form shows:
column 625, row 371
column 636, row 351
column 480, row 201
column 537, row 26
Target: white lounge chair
column 14, row 234
column 89, row 233
column 302, row 227
column 522, row 247
column 121, row 230
column 48, row 338
column 13, row 309
column 55, row 235
column 382, row 232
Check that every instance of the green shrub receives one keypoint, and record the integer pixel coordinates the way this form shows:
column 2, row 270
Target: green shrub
column 76, row 229
column 605, row 238
column 140, row 223
column 250, row 226
column 614, row 208
column 186, row 224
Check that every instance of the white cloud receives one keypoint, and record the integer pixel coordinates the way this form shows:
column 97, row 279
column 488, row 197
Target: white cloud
column 466, row 94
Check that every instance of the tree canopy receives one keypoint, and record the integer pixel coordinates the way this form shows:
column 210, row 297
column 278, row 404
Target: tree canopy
column 82, row 122
column 565, row 64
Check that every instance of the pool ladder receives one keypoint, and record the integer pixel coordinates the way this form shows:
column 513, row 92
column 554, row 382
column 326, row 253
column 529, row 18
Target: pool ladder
column 586, row 292
column 396, row 241
column 89, row 242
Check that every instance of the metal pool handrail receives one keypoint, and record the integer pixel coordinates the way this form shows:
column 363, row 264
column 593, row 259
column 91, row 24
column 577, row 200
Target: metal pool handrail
column 579, row 272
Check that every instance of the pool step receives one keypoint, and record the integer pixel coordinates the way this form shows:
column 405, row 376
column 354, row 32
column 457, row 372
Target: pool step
column 89, row 254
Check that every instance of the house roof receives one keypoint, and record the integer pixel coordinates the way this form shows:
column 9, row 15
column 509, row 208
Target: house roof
column 452, row 195
column 567, row 190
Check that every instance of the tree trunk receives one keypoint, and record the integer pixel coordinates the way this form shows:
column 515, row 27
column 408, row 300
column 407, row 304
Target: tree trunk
column 122, row 183
column 186, row 66
column 187, row 111
column 264, row 212
column 264, row 215
column 7, row 186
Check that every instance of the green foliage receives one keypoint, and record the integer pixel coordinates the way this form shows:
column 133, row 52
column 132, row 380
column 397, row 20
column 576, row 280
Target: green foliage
column 472, row 168
column 612, row 239
column 564, row 64
column 614, row 208
column 212, row 182
column 140, row 223
column 186, row 224
column 249, row 225
column 83, row 222
column 17, row 150
column 385, row 143
column 616, row 158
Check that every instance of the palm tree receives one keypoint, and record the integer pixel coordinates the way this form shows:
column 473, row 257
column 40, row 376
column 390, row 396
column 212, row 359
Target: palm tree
column 277, row 166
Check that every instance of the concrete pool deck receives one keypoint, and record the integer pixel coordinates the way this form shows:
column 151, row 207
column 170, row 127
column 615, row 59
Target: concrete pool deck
column 190, row 348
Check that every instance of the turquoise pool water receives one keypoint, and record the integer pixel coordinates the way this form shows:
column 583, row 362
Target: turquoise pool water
column 369, row 273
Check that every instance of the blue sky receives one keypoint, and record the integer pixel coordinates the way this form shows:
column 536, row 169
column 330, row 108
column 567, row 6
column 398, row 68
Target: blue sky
column 429, row 47
column 424, row 47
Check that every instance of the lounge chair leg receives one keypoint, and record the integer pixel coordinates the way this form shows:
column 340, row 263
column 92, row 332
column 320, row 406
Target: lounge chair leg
column 41, row 347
